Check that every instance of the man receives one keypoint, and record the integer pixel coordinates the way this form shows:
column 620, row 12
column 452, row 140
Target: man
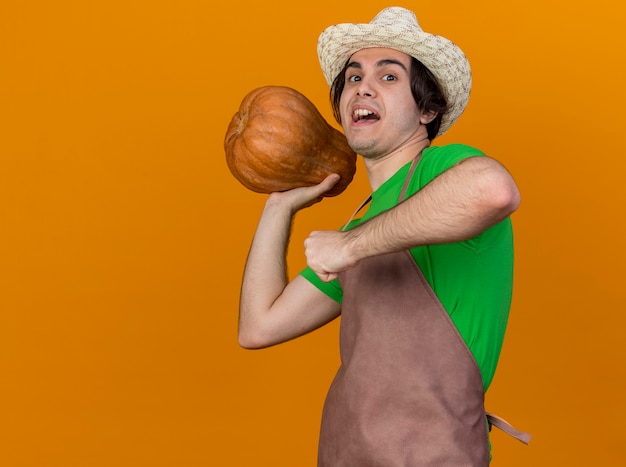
column 422, row 280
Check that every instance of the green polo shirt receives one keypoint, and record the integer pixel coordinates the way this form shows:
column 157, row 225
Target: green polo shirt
column 473, row 279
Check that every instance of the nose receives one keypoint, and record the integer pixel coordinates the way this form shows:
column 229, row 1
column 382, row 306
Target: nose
column 365, row 89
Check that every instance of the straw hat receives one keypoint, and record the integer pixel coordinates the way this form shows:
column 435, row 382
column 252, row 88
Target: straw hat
column 397, row 28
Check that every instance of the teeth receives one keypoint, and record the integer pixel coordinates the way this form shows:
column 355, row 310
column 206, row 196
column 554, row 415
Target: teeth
column 362, row 112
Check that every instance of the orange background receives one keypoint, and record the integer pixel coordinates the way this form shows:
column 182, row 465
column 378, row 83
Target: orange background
column 123, row 235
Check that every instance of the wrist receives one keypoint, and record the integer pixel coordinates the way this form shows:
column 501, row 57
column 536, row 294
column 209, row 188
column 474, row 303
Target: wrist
column 355, row 245
column 278, row 207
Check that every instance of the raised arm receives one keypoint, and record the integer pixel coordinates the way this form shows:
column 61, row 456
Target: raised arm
column 273, row 310
column 459, row 204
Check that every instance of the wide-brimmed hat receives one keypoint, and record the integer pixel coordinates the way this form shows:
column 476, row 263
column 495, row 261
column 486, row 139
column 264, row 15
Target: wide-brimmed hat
column 397, row 28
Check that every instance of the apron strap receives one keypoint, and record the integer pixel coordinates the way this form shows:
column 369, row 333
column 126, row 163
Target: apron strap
column 363, row 204
column 505, row 426
column 409, row 176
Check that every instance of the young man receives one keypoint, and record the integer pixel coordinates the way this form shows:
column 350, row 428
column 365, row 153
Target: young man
column 422, row 280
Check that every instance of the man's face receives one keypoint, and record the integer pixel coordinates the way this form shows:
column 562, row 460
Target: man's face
column 378, row 112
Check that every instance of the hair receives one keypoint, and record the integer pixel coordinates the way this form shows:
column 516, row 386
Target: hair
column 425, row 88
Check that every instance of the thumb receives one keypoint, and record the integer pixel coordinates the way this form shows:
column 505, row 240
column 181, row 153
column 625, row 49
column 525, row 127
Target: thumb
column 326, row 276
column 329, row 182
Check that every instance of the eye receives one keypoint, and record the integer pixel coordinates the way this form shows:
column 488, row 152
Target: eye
column 354, row 78
column 389, row 77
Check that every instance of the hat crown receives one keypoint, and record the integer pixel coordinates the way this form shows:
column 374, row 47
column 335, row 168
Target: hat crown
column 397, row 18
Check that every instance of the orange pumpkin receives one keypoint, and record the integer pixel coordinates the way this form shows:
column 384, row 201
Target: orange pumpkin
column 278, row 140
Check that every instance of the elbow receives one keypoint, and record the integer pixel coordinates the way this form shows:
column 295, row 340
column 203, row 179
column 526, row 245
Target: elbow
column 508, row 199
column 250, row 345
column 249, row 329
column 498, row 194
column 247, row 342
column 516, row 200
column 504, row 196
column 250, row 340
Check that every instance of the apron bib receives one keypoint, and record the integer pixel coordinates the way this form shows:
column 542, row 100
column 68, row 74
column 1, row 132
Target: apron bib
column 408, row 391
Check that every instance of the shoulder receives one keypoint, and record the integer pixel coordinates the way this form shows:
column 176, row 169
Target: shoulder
column 449, row 155
column 437, row 159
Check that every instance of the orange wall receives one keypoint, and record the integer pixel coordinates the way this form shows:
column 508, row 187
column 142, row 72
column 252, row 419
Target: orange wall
column 123, row 235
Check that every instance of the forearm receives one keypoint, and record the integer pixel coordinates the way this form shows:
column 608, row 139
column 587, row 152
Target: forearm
column 272, row 309
column 265, row 273
column 458, row 205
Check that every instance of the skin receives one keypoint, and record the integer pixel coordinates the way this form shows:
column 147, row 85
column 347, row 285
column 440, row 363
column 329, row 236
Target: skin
column 459, row 204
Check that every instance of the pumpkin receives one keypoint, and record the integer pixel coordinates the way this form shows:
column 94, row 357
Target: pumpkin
column 278, row 140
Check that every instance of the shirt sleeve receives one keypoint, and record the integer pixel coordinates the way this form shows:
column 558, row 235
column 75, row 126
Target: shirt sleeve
column 331, row 288
column 440, row 159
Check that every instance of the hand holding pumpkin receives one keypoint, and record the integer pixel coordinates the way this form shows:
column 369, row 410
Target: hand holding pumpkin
column 303, row 197
column 278, row 140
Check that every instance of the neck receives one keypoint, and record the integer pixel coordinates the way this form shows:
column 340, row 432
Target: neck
column 381, row 169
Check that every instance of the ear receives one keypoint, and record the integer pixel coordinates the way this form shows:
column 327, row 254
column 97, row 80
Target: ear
column 427, row 117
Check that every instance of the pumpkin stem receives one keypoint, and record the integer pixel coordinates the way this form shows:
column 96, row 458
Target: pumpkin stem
column 243, row 121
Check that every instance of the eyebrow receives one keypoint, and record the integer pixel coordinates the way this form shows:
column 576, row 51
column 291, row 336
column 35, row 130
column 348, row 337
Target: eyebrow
column 380, row 63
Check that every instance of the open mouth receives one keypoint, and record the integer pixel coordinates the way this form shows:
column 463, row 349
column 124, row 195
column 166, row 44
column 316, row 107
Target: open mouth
column 364, row 114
